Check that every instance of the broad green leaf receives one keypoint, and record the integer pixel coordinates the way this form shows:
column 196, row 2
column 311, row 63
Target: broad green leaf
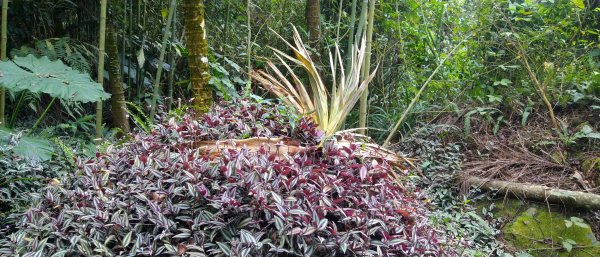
column 33, row 148
column 37, row 149
column 51, row 77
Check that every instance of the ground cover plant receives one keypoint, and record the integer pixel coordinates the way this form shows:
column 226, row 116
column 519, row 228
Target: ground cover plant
column 154, row 196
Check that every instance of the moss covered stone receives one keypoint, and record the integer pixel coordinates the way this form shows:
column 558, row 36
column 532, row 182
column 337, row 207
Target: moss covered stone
column 544, row 233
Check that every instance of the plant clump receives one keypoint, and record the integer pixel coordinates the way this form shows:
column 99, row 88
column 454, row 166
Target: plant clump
column 153, row 196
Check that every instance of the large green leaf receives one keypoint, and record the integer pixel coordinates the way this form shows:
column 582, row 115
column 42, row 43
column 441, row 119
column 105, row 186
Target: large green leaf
column 51, row 77
column 33, row 148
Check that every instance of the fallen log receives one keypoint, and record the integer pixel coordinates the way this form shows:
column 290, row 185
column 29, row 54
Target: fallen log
column 283, row 147
column 539, row 193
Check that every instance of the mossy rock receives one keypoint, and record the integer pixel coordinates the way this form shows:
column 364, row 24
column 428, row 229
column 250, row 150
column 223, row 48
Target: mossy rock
column 544, row 233
column 508, row 208
column 505, row 208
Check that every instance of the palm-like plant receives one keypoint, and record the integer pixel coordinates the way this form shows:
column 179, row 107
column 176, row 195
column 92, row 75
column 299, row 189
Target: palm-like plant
column 328, row 110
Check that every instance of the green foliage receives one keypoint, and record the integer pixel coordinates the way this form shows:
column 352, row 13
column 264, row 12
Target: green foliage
column 50, row 77
column 74, row 54
column 561, row 42
column 34, row 149
column 440, row 163
column 227, row 83
column 490, row 115
column 138, row 116
column 586, row 132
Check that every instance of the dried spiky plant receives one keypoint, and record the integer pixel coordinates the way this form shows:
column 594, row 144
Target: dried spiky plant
column 328, row 110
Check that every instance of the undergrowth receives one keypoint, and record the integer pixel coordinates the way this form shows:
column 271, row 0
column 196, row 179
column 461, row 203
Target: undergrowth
column 153, row 196
column 440, row 158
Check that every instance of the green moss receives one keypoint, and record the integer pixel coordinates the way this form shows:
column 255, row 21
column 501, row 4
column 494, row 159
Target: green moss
column 505, row 208
column 542, row 233
column 508, row 208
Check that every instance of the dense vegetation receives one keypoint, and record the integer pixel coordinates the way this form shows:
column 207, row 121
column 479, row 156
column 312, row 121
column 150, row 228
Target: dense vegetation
column 209, row 128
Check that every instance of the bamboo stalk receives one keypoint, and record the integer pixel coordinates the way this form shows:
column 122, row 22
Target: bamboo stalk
column 3, row 58
column 349, row 50
column 363, row 108
column 337, row 39
column 539, row 193
column 101, row 43
column 522, row 56
column 538, row 86
column 172, row 62
column 249, row 46
column 161, row 59
column 364, row 7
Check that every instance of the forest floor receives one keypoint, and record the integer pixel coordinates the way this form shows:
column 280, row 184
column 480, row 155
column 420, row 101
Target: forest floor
column 533, row 153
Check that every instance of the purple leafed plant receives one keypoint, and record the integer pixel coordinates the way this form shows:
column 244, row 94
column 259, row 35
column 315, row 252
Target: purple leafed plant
column 155, row 197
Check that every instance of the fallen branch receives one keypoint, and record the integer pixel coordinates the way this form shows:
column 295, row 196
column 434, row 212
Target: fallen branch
column 283, row 147
column 278, row 146
column 540, row 193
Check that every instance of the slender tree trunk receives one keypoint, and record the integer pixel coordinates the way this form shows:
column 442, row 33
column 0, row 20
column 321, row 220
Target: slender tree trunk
column 363, row 110
column 349, row 50
column 172, row 61
column 313, row 22
column 101, row 68
column 3, row 57
column 248, row 44
column 197, row 45
column 161, row 59
column 119, row 110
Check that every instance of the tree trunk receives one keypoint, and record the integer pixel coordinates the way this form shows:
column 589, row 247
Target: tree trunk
column 313, row 22
column 3, row 57
column 197, row 45
column 119, row 110
column 539, row 193
column 100, row 78
column 363, row 110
